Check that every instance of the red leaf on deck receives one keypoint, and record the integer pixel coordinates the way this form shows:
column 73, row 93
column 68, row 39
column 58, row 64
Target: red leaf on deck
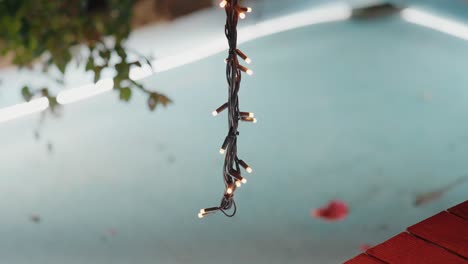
column 335, row 210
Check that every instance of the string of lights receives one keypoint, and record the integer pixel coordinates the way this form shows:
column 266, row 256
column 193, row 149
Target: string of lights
column 232, row 176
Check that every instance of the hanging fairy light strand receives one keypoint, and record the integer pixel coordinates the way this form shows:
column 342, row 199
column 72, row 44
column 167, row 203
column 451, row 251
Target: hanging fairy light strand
column 233, row 178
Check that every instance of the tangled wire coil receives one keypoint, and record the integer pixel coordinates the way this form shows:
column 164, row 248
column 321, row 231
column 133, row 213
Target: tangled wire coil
column 231, row 169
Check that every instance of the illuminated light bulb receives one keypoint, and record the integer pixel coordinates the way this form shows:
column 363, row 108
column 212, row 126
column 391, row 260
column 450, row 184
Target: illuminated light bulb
column 249, row 119
column 230, row 190
column 243, row 56
column 219, row 109
column 224, row 146
column 245, row 69
column 245, row 9
column 223, row 4
column 245, row 166
column 238, row 183
column 246, row 114
column 225, row 61
column 237, row 176
column 242, row 15
column 208, row 210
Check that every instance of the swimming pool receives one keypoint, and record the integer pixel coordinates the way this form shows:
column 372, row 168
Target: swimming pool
column 369, row 112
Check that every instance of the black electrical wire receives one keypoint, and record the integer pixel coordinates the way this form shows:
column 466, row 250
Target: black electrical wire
column 231, row 169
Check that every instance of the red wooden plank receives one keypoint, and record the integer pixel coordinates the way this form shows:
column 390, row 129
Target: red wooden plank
column 460, row 210
column 406, row 249
column 445, row 230
column 363, row 259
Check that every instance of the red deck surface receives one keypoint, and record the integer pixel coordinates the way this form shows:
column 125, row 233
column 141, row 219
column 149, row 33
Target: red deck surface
column 461, row 210
column 445, row 230
column 441, row 239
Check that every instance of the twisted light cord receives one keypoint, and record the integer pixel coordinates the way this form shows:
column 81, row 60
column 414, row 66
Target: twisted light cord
column 231, row 169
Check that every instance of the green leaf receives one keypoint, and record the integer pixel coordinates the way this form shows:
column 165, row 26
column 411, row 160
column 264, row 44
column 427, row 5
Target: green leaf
column 97, row 73
column 26, row 93
column 69, row 26
column 61, row 60
column 44, row 92
column 105, row 54
column 120, row 51
column 90, row 63
column 53, row 103
column 61, row 65
column 122, row 68
column 125, row 94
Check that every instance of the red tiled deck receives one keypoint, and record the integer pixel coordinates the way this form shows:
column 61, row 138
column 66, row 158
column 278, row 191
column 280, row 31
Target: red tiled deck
column 440, row 239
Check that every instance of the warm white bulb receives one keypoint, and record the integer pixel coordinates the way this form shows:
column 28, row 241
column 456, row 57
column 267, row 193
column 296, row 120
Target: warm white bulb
column 202, row 211
column 238, row 183
column 249, row 9
column 214, row 113
column 200, row 215
column 251, row 114
column 249, row 72
column 229, row 190
column 223, row 3
column 249, row 170
column 254, row 120
column 248, row 60
column 242, row 15
column 221, row 151
column 244, row 181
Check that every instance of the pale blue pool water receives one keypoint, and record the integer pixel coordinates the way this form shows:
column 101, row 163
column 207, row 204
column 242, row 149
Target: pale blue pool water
column 370, row 113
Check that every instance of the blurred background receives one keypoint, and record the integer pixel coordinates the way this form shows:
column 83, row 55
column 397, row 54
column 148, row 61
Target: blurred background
column 362, row 128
